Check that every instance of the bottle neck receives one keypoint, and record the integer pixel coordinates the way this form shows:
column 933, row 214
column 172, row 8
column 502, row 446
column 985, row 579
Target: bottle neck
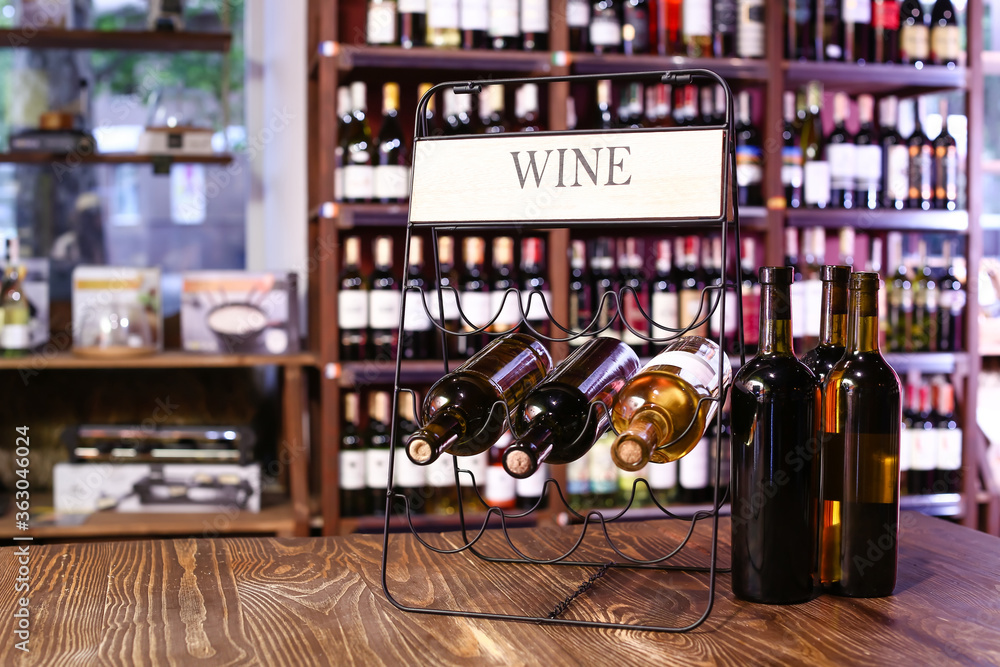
column 833, row 319
column 438, row 434
column 862, row 334
column 648, row 429
column 522, row 458
column 776, row 320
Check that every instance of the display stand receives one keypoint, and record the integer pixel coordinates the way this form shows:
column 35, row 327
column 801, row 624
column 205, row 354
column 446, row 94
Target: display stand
column 650, row 177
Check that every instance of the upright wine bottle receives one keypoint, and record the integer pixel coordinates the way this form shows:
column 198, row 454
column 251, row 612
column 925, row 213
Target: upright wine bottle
column 857, row 17
column 914, row 38
column 578, row 22
column 602, row 265
column 442, row 24
column 352, row 304
column 830, row 30
column 900, row 296
column 750, row 37
column 501, row 301
column 605, row 27
column 774, row 464
column 444, row 301
column 951, row 305
column 343, row 129
column 895, row 157
column 885, row 31
column 580, row 309
column 663, row 300
column 800, row 33
column 505, row 29
column 412, row 17
column 391, row 172
column 557, row 422
column 380, row 22
column 867, row 158
column 749, row 155
column 359, row 175
column 408, row 479
column 535, row 25
column 457, row 119
column 945, row 38
column 354, row 499
column 861, row 418
column 535, row 295
column 750, row 293
column 383, row 302
column 491, row 110
column 921, row 194
column 690, row 284
column 923, row 331
column 474, row 22
column 791, row 154
column 418, row 341
column 660, row 414
column 833, row 327
column 697, row 17
column 725, row 19
column 460, row 414
column 633, row 296
column 949, row 455
column 923, row 440
column 377, row 438
column 635, row 27
column 945, row 164
column 816, row 169
column 841, row 156
column 526, row 109
column 476, row 305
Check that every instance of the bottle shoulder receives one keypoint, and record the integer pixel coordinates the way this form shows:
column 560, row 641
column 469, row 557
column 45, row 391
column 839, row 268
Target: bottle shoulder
column 775, row 374
column 867, row 371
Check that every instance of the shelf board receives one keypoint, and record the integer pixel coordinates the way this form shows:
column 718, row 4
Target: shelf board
column 115, row 40
column 482, row 62
column 172, row 359
column 729, row 68
column 927, row 362
column 874, row 77
column 880, row 219
column 937, row 504
column 354, row 373
column 273, row 520
column 39, row 157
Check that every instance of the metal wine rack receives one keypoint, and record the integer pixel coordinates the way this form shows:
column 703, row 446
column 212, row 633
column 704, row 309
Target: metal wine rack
column 425, row 201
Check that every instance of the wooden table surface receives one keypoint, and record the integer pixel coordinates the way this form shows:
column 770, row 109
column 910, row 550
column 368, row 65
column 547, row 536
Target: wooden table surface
column 296, row 601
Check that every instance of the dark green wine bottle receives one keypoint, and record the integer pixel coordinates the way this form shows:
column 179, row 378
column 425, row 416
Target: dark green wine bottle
column 833, row 322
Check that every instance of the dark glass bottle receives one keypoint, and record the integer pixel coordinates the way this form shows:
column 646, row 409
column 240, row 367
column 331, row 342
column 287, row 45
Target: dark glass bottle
column 535, row 295
column 923, row 331
column 749, row 155
column 861, row 416
column 605, row 26
column 857, row 18
column 833, row 324
column 830, row 31
column 602, row 271
column 491, row 110
column 945, row 37
column 914, row 37
column 604, row 117
column 383, row 302
column 725, row 18
column 921, row 162
column 359, row 172
column 923, row 441
column 885, row 31
column 690, row 284
column 634, row 296
column 352, row 304
column 557, row 422
column 816, row 169
column 791, row 154
column 474, row 287
column 504, row 31
column 456, row 113
column 949, row 454
column 392, row 173
column 580, row 307
column 663, row 300
column 448, row 295
column 354, row 499
column 840, row 154
column 502, row 301
column 474, row 23
column 775, row 462
column 868, row 157
column 951, row 306
column 801, row 31
column 635, row 27
column 534, row 25
column 412, row 23
column 377, row 437
column 578, row 22
column 408, row 479
column 418, row 331
column 527, row 115
column 460, row 413
column 945, row 164
column 895, row 157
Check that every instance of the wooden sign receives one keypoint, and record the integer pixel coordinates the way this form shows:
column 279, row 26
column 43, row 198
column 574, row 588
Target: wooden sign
column 569, row 177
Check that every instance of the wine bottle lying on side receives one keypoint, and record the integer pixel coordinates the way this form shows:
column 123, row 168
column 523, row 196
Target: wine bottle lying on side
column 460, row 411
column 557, row 421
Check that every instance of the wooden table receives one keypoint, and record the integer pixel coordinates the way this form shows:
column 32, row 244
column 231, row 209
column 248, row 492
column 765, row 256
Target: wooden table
column 294, row 601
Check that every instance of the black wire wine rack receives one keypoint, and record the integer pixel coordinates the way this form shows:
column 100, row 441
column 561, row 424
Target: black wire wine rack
column 712, row 299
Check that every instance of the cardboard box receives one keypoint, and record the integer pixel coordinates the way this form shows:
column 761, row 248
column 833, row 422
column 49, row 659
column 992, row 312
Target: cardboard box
column 104, row 295
column 240, row 312
column 140, row 487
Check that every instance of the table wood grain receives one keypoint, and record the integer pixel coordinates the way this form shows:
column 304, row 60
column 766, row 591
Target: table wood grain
column 301, row 601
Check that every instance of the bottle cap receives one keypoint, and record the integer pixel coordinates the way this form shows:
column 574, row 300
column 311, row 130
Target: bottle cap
column 864, row 280
column 775, row 275
column 835, row 273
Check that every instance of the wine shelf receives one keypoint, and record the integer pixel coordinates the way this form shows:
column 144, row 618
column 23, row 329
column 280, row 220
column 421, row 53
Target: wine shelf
column 938, row 504
column 875, row 78
column 928, row 362
column 69, row 160
column 880, row 219
column 115, row 40
column 174, row 359
column 742, row 69
column 481, row 62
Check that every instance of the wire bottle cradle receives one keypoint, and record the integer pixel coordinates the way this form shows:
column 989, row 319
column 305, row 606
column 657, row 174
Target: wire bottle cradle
column 461, row 208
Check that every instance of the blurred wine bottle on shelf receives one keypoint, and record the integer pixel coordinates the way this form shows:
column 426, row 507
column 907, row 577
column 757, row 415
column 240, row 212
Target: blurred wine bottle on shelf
column 833, row 328
column 475, row 297
column 383, row 302
column 749, row 155
column 377, row 440
column 409, row 479
column 352, row 304
column 391, row 171
column 359, row 173
column 418, row 330
column 354, row 498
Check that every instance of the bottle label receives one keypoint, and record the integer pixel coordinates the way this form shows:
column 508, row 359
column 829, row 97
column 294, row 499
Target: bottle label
column 578, row 476
column 383, row 309
column 537, row 310
column 501, row 488
column 842, row 160
column 921, row 162
column 392, row 181
column 699, row 369
column 416, row 318
column 798, row 298
column 946, row 159
column 694, row 467
column 441, row 472
column 532, row 486
column 949, row 454
column 898, row 177
column 475, row 15
column 750, row 37
column 376, row 468
column 450, row 299
column 748, row 165
column 577, row 14
column 636, row 320
column 476, row 308
column 15, row 336
column 442, row 14
column 605, row 30
column 857, row 11
column 813, row 307
column 886, row 15
column 791, row 166
column 868, row 166
column 534, row 16
column 945, row 42
column 697, row 18
column 381, row 25
column 406, row 473
column 359, row 181
column 352, row 469
column 925, row 446
column 477, row 465
column 504, row 18
column 816, row 188
column 915, row 41
column 412, row 6
column 662, row 476
column 664, row 312
column 338, row 176
column 505, row 304
column 352, row 309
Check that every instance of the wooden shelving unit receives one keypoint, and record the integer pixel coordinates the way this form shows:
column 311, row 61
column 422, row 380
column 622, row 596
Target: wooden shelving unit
column 332, row 63
column 168, row 359
column 40, row 157
column 123, row 40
